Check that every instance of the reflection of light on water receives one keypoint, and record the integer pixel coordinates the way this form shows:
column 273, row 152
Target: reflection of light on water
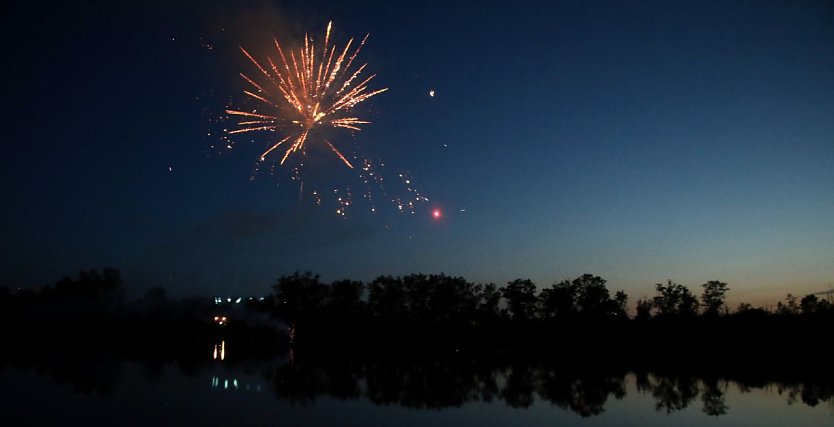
column 233, row 384
column 291, row 333
column 220, row 351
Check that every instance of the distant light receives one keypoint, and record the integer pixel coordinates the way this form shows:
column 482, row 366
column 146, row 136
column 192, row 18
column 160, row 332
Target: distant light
column 238, row 301
column 431, row 93
column 436, row 213
column 228, row 299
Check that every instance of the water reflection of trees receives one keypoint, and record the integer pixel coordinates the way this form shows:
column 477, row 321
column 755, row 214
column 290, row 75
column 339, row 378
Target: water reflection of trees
column 99, row 377
column 713, row 396
column 676, row 391
column 809, row 394
column 671, row 392
column 583, row 393
column 438, row 383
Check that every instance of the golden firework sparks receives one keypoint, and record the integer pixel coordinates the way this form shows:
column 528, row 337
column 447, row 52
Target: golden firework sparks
column 303, row 91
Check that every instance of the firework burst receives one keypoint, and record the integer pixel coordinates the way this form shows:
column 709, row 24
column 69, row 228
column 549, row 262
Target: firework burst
column 304, row 90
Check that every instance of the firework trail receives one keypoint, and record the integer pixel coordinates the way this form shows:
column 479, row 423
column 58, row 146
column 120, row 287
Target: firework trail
column 305, row 90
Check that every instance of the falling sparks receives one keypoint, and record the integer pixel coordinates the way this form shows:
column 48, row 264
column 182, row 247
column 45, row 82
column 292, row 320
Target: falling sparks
column 300, row 99
column 344, row 201
column 413, row 198
column 304, row 90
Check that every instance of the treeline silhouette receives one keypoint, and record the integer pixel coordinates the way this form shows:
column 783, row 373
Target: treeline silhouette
column 442, row 299
column 572, row 316
column 431, row 314
column 434, row 341
column 90, row 312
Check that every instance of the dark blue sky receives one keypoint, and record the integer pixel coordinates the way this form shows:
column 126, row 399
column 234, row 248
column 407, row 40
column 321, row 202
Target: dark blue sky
column 638, row 141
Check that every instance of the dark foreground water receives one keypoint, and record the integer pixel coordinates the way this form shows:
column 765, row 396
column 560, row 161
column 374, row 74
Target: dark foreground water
column 454, row 390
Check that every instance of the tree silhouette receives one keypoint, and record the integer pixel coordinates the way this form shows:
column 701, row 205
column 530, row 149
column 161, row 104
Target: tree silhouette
column 713, row 297
column 585, row 296
column 299, row 298
column 674, row 299
column 621, row 300
column 346, row 300
column 559, row 300
column 452, row 301
column 809, row 304
column 790, row 306
column 489, row 300
column 644, row 309
column 592, row 295
column 743, row 307
column 91, row 286
column 387, row 298
column 418, row 291
column 521, row 299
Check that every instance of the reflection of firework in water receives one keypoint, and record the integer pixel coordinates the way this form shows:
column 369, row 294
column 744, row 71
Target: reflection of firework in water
column 303, row 91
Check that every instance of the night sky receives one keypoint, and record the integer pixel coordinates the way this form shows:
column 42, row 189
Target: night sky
column 639, row 141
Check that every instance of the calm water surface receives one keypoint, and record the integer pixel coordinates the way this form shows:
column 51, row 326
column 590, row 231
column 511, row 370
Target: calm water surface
column 455, row 392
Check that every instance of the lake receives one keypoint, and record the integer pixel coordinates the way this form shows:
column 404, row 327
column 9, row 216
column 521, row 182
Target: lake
column 440, row 390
